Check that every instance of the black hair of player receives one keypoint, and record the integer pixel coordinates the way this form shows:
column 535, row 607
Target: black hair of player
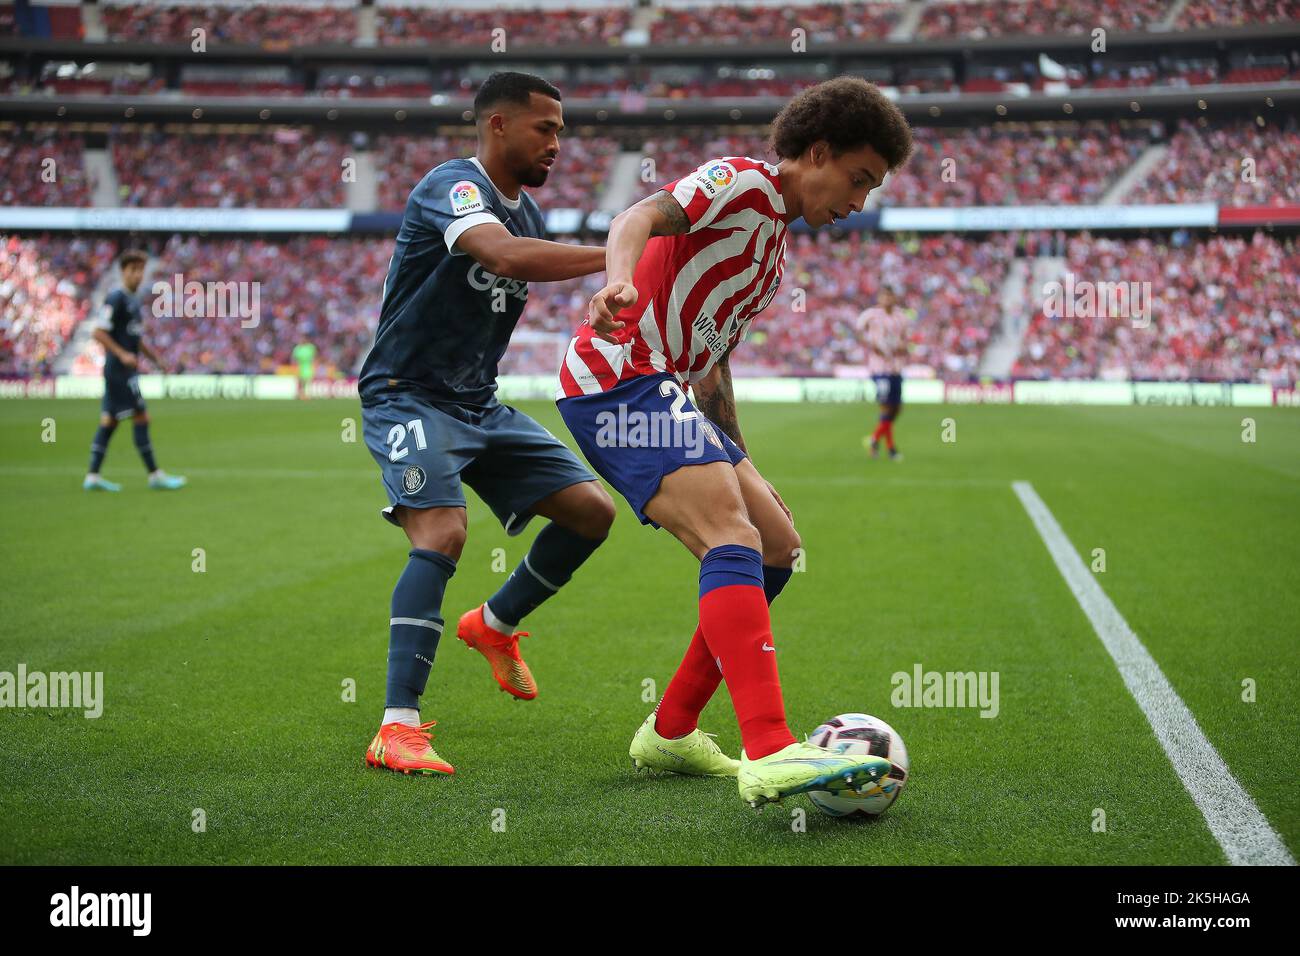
column 848, row 113
column 507, row 86
column 131, row 256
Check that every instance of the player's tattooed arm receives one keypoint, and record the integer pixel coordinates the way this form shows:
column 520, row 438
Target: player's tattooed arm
column 671, row 217
column 656, row 215
column 715, row 397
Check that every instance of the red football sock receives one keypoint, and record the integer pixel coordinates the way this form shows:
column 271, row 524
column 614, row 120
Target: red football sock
column 889, row 434
column 693, row 686
column 738, row 632
column 880, row 430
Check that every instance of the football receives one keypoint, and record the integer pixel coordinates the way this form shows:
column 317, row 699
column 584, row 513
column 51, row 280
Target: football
column 862, row 734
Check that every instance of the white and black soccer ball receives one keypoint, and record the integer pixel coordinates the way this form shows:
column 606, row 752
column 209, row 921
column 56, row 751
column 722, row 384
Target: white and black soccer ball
column 861, row 734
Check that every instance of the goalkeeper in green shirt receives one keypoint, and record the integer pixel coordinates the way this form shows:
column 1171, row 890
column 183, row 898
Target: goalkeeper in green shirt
column 304, row 353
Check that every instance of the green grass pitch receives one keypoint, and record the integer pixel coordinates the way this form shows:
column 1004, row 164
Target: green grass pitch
column 224, row 689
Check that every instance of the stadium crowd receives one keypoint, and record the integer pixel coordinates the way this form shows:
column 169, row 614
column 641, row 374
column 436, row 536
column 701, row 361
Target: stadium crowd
column 999, row 165
column 1234, row 13
column 978, row 20
column 45, row 293
column 267, row 25
column 1006, row 165
column 1241, row 164
column 577, row 181
column 713, row 24
column 582, row 25
column 702, row 24
column 949, row 285
column 1222, row 308
column 401, row 162
column 43, row 167
column 285, row 167
column 317, row 289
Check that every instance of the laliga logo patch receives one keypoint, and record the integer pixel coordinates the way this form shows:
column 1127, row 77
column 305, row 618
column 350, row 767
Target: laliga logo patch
column 465, row 198
column 722, row 174
column 412, row 479
column 717, row 178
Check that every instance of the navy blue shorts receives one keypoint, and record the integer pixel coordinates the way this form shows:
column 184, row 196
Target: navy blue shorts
column 889, row 389
column 425, row 450
column 639, row 431
column 122, row 396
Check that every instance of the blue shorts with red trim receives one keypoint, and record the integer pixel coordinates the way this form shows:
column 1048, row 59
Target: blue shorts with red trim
column 889, row 389
column 638, row 431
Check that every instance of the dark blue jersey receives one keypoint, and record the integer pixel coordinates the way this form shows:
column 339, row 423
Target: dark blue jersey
column 445, row 320
column 122, row 318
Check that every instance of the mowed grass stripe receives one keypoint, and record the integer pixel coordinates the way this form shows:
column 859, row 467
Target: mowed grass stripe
column 1232, row 816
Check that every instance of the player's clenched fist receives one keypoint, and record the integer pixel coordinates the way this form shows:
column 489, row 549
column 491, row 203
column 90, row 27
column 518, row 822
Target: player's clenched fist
column 606, row 304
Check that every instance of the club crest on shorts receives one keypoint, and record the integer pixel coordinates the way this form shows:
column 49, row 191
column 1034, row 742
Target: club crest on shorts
column 710, row 435
column 412, row 479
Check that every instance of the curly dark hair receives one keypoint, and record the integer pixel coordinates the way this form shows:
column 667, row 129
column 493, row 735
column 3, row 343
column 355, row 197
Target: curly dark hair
column 131, row 256
column 849, row 113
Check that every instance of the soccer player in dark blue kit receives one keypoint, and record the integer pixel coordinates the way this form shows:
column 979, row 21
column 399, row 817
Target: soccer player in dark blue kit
column 470, row 242
column 120, row 329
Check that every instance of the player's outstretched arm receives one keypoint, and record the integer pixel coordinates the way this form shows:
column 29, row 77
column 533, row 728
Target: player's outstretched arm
column 530, row 260
column 658, row 214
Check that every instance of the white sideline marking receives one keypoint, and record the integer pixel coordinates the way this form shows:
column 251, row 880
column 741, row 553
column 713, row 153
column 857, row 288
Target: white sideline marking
column 1241, row 829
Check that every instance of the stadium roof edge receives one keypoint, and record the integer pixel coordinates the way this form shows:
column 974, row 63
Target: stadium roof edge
column 921, row 109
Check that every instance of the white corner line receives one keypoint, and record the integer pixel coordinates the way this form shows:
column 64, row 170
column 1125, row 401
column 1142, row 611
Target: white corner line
column 1242, row 830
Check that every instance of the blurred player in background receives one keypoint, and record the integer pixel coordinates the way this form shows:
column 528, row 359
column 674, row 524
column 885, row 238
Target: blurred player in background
column 885, row 325
column 304, row 353
column 468, row 246
column 688, row 270
column 120, row 330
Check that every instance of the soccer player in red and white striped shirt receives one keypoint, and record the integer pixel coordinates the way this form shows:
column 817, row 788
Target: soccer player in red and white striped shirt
column 885, row 325
column 687, row 270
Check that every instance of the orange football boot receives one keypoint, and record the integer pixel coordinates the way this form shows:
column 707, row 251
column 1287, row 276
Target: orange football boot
column 501, row 651
column 406, row 749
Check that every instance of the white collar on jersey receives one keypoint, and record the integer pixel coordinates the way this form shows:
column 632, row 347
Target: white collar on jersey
column 779, row 205
column 511, row 204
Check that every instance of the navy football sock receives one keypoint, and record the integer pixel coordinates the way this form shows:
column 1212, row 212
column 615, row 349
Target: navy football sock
column 774, row 581
column 141, row 433
column 416, row 625
column 99, row 446
column 556, row 553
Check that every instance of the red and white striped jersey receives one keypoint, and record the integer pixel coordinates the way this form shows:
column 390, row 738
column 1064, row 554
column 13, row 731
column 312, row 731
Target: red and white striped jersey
column 886, row 333
column 697, row 292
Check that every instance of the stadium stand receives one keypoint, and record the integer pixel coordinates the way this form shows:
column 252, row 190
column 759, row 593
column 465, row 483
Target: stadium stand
column 45, row 288
column 1235, row 164
column 1223, row 310
column 43, row 166
column 283, row 167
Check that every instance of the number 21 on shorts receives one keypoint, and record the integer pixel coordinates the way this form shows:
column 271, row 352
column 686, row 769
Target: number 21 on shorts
column 397, row 435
